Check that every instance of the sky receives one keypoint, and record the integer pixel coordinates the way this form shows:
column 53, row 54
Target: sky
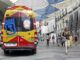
column 13, row 1
column 42, row 8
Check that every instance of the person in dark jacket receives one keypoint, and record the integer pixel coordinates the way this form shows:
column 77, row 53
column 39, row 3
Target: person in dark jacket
column 66, row 35
column 48, row 39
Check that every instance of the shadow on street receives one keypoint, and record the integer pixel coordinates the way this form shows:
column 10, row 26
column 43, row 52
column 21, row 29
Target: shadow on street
column 20, row 53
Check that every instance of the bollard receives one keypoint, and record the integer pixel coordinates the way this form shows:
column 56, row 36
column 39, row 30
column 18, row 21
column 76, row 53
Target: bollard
column 66, row 47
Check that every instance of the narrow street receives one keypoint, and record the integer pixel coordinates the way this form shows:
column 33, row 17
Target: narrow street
column 23, row 23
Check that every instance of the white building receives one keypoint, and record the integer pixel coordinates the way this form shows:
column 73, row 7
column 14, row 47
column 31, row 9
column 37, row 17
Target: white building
column 62, row 16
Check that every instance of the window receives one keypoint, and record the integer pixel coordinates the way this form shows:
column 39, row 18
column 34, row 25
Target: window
column 9, row 26
column 18, row 23
column 23, row 24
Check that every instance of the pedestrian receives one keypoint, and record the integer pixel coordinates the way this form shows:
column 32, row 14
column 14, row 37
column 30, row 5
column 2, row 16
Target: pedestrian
column 44, row 31
column 71, row 40
column 66, row 35
column 76, row 40
column 59, row 40
column 53, row 38
column 39, row 33
column 63, row 39
column 43, row 34
column 48, row 39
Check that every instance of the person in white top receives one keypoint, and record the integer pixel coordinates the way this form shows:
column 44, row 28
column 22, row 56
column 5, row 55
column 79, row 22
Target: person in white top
column 44, row 31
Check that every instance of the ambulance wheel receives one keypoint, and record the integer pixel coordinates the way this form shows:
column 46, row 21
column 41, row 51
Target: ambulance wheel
column 34, row 51
column 6, row 52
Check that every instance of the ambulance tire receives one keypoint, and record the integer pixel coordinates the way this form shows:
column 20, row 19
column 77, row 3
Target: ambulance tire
column 34, row 51
column 6, row 52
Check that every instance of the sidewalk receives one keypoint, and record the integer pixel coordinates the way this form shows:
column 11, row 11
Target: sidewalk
column 59, row 52
column 74, row 53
